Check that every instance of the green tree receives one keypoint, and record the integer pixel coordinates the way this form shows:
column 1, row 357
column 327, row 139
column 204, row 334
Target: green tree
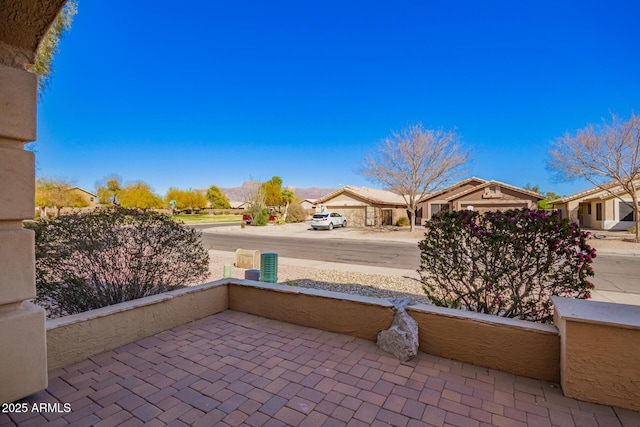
column 217, row 199
column 108, row 190
column 287, row 196
column 273, row 191
column 49, row 45
column 535, row 188
column 189, row 200
column 58, row 193
column 139, row 195
column 546, row 203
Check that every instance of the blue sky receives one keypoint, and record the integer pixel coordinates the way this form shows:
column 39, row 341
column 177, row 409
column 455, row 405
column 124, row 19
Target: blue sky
column 196, row 93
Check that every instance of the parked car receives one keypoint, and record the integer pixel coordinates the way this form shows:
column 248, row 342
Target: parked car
column 328, row 220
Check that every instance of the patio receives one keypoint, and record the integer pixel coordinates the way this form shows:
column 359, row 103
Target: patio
column 234, row 368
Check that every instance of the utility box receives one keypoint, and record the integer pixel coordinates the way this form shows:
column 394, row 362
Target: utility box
column 269, row 268
column 248, row 258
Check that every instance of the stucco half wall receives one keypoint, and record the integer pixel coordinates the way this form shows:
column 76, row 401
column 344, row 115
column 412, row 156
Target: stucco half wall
column 516, row 346
column 74, row 338
column 513, row 346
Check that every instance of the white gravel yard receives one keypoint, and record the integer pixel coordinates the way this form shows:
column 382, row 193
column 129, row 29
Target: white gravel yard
column 337, row 280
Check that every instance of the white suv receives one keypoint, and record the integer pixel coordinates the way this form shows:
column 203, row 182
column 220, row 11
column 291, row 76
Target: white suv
column 328, row 220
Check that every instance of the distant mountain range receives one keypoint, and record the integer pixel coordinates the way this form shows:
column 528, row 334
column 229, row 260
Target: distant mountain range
column 235, row 193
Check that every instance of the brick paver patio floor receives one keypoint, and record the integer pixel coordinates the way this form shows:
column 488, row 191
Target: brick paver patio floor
column 237, row 369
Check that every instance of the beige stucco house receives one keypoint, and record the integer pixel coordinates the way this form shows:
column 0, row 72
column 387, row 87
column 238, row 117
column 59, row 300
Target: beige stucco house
column 364, row 206
column 606, row 208
column 477, row 194
column 308, row 204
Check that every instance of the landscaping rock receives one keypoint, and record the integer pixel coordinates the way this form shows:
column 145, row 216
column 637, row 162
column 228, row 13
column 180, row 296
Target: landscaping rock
column 401, row 339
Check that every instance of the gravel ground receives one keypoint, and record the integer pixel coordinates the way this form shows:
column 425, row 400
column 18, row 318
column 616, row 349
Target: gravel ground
column 372, row 285
column 350, row 282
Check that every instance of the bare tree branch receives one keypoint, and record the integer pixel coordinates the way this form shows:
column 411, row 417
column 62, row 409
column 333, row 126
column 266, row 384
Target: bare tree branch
column 605, row 156
column 415, row 162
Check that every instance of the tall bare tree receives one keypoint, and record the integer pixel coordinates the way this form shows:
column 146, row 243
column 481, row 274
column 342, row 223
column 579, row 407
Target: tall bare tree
column 254, row 196
column 415, row 162
column 608, row 156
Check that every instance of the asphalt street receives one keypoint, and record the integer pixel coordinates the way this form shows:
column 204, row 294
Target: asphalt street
column 613, row 272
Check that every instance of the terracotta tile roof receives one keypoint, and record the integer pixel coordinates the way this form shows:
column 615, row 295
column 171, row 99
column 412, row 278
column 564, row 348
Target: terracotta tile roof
column 606, row 189
column 501, row 184
column 372, row 195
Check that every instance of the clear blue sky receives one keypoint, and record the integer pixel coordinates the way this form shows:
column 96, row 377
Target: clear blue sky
column 194, row 93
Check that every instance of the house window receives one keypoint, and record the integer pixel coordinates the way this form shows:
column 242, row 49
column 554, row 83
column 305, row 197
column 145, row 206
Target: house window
column 598, row 211
column 589, row 209
column 626, row 212
column 437, row 208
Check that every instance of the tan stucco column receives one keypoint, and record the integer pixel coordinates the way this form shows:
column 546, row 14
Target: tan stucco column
column 23, row 361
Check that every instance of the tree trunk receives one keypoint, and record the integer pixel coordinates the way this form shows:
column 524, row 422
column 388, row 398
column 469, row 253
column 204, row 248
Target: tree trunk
column 412, row 220
column 286, row 210
column 636, row 215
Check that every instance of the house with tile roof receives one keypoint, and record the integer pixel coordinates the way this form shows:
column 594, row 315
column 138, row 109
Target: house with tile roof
column 607, row 207
column 364, row 206
column 477, row 194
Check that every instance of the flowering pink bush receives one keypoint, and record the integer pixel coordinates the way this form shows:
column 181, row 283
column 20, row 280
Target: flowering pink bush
column 505, row 263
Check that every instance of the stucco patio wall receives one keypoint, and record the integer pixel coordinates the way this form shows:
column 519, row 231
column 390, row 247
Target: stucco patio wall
column 592, row 353
column 522, row 348
column 353, row 315
column 600, row 351
column 74, row 338
column 511, row 345
column 508, row 345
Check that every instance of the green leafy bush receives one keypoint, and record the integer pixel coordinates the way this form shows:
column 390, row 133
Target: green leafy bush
column 403, row 222
column 504, row 263
column 262, row 218
column 87, row 261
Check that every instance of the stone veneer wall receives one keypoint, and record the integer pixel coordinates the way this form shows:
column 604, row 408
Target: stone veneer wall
column 23, row 363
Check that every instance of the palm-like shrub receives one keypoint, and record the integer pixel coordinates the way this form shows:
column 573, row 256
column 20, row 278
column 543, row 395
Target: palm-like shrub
column 87, row 261
column 505, row 263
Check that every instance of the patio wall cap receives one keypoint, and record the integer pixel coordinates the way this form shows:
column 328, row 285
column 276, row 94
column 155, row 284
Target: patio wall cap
column 308, row 291
column 485, row 318
column 127, row 305
column 598, row 312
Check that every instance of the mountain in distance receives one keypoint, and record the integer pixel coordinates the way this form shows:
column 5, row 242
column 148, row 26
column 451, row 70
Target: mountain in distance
column 235, row 193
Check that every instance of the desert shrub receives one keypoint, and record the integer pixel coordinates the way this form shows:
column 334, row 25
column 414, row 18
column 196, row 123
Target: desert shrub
column 279, row 220
column 262, row 218
column 296, row 213
column 632, row 230
column 403, row 222
column 87, row 261
column 504, row 263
